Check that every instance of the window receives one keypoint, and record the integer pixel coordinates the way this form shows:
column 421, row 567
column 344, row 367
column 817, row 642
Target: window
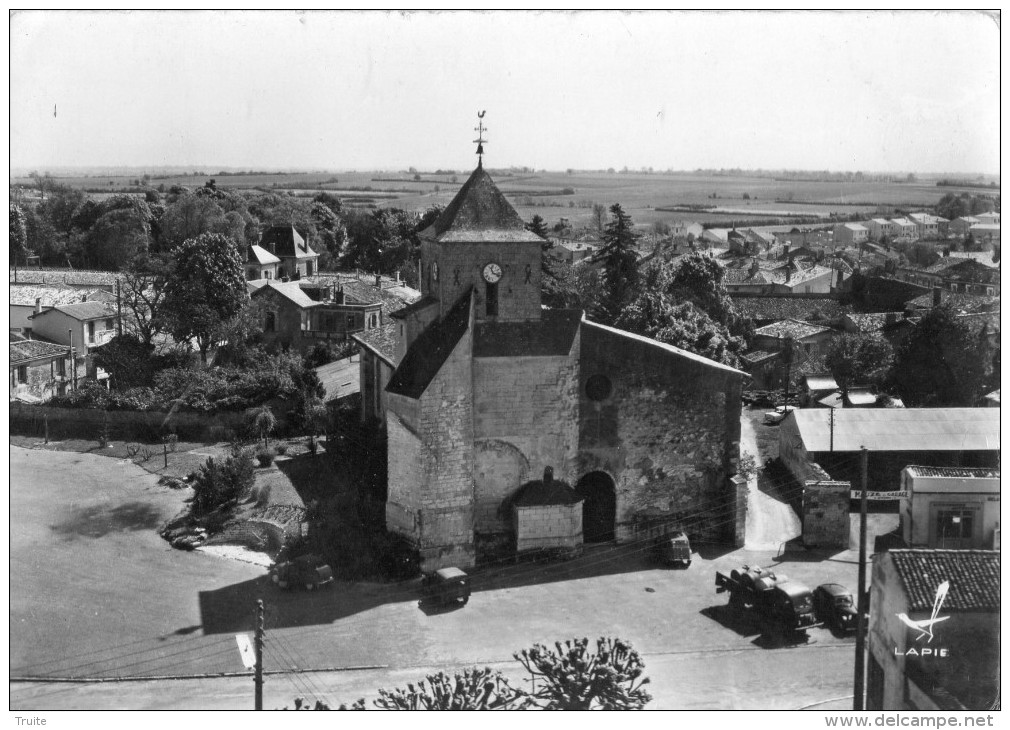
column 491, row 299
column 91, row 331
column 598, row 387
column 308, row 268
column 109, row 324
column 61, row 367
column 23, row 374
column 271, row 322
column 250, row 274
column 373, row 322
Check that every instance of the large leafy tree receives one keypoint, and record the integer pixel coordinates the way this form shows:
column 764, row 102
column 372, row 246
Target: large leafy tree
column 943, row 363
column 18, row 235
column 143, row 294
column 859, row 359
column 672, row 313
column 620, row 263
column 205, row 287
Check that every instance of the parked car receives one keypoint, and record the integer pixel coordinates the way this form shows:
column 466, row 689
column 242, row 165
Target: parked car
column 775, row 417
column 447, row 585
column 309, row 571
column 672, row 549
column 835, row 605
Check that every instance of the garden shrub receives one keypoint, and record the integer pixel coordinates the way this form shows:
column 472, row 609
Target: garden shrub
column 220, row 483
column 265, row 457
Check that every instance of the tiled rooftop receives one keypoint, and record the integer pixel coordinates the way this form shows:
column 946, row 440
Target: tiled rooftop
column 791, row 328
column 973, row 575
column 28, row 350
column 24, row 295
column 71, row 277
column 953, row 472
column 381, row 340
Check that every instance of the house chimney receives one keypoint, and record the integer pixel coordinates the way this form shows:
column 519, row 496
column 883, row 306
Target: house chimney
column 378, row 281
column 789, row 273
column 936, row 296
column 84, row 297
column 38, row 305
column 754, row 268
column 548, row 475
column 785, row 250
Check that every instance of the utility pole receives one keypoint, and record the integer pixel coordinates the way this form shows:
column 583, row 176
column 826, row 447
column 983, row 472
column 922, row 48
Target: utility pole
column 119, row 306
column 789, row 363
column 857, row 694
column 73, row 357
column 258, row 645
column 832, row 429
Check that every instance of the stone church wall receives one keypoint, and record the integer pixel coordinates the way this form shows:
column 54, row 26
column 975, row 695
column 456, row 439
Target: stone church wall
column 445, row 477
column 525, row 418
column 668, row 432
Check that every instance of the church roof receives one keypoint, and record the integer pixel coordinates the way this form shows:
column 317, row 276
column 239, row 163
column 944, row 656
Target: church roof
column 430, row 350
column 553, row 335
column 479, row 213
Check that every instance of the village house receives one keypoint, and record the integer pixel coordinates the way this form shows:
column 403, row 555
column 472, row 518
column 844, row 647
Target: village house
column 934, row 633
column 895, row 327
column 880, row 228
column 30, row 299
column 989, row 218
column 985, row 234
column 38, row 370
column 929, row 227
column 295, row 257
column 84, row 326
column 781, row 348
column 945, row 507
column 959, row 227
column 960, row 302
column 486, row 389
column 955, row 274
column 851, row 234
column 904, row 229
column 325, row 308
column 261, row 264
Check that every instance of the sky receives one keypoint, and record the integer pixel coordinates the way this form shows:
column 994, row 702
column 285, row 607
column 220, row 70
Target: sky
column 868, row 91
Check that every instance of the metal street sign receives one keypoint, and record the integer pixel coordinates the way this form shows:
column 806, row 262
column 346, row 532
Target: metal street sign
column 245, row 649
column 878, row 496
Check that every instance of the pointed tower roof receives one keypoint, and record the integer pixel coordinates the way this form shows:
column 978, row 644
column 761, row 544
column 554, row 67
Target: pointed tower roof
column 479, row 213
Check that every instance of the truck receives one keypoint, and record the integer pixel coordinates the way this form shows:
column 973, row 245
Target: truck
column 309, row 571
column 781, row 605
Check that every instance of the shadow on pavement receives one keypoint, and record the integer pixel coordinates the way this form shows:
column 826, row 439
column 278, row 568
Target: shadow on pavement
column 740, row 622
column 101, row 519
column 230, row 609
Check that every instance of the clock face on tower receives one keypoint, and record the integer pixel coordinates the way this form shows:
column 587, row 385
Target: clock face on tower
column 492, row 273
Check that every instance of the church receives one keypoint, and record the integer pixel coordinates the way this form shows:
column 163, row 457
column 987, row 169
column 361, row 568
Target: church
column 483, row 391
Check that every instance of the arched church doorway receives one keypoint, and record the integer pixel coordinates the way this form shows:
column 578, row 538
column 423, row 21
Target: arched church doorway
column 599, row 506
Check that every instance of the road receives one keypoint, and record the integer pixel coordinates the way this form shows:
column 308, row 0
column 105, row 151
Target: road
column 770, row 522
column 98, row 594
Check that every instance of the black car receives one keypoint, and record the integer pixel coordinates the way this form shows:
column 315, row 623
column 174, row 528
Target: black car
column 835, row 605
column 447, row 585
column 672, row 549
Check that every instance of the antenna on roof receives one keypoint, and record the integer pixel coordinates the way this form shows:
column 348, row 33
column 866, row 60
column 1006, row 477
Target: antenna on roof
column 480, row 129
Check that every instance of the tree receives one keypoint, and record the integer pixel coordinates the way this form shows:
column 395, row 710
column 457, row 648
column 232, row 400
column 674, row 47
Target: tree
column 862, row 359
column 537, row 226
column 189, row 216
column 143, row 293
column 473, row 689
column 620, row 264
column 669, row 307
column 942, row 363
column 599, row 215
column 18, row 235
column 698, row 279
column 205, row 287
column 264, row 421
column 574, row 677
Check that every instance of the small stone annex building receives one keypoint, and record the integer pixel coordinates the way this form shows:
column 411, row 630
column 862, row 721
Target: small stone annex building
column 489, row 389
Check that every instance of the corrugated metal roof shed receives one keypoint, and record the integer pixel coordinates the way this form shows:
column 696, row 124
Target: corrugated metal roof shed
column 899, row 429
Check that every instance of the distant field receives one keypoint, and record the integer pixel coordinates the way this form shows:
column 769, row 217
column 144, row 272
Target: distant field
column 638, row 194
